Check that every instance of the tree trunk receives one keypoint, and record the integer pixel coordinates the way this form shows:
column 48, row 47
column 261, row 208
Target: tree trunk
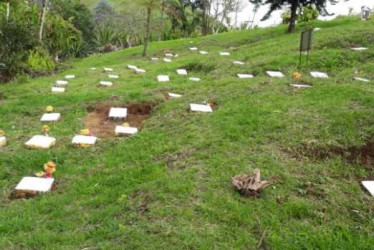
column 162, row 20
column 294, row 6
column 146, row 40
column 44, row 11
column 7, row 11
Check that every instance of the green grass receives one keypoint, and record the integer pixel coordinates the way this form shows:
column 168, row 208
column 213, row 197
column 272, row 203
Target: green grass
column 169, row 186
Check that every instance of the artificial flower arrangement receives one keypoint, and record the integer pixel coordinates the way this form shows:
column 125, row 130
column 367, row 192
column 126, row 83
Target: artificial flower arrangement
column 49, row 109
column 296, row 76
column 125, row 124
column 45, row 129
column 49, row 169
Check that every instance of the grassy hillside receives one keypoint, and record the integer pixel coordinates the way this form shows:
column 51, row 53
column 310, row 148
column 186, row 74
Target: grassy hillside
column 169, row 186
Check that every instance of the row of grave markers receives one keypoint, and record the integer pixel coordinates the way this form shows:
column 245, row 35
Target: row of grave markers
column 36, row 184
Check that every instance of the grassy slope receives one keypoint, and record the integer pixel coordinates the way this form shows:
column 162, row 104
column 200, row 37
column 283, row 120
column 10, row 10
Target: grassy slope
column 123, row 193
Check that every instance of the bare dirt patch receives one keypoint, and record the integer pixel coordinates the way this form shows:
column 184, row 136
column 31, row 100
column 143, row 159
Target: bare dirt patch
column 363, row 155
column 100, row 125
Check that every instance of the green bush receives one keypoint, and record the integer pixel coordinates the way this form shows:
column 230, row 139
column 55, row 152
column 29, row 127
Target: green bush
column 39, row 60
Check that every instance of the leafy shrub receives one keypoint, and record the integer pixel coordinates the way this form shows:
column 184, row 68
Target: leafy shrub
column 39, row 60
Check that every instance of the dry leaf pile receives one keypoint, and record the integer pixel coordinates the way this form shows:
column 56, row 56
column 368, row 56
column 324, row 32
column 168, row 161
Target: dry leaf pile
column 249, row 185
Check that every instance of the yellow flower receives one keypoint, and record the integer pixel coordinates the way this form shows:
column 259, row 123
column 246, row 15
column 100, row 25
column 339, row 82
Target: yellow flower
column 45, row 128
column 126, row 124
column 40, row 174
column 85, row 131
column 49, row 109
column 2, row 133
column 296, row 76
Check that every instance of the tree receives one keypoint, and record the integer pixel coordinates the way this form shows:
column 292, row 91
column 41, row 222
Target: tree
column 150, row 6
column 295, row 5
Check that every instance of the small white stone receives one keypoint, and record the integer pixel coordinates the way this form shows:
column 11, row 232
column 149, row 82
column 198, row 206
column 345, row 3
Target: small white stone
column 369, row 185
column 84, row 139
column 200, row 108
column 224, row 53
column 35, row 184
column 182, row 72
column 70, row 77
column 163, row 78
column 195, row 79
column 361, row 79
column 245, row 76
column 93, row 68
column 169, row 55
column 118, row 113
column 238, row 63
column 140, row 71
column 113, row 76
column 122, row 130
column 194, row 49
column 173, row 95
column 58, row 89
column 3, row 141
column 316, row 74
column 176, row 55
column 108, row 70
column 61, row 82
column 106, row 84
column 299, row 86
column 275, row 74
column 317, row 29
column 40, row 142
column 359, row 48
column 132, row 67
column 154, row 59
column 51, row 117
column 203, row 52
column 167, row 60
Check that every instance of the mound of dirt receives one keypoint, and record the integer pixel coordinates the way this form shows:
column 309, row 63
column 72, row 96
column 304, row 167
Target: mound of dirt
column 100, row 124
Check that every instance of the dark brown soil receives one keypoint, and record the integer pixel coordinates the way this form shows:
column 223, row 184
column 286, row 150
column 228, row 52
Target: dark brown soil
column 363, row 155
column 100, row 125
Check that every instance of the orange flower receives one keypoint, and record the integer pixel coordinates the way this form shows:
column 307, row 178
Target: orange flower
column 296, row 76
column 50, row 167
column 45, row 128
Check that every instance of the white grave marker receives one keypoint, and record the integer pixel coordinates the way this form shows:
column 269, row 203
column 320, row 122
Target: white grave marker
column 182, row 72
column 359, row 48
column 203, row 52
column 84, row 140
column 369, row 185
column 173, row 95
column 121, row 130
column 113, row 76
column 238, row 62
column 93, row 68
column 224, row 53
column 35, row 184
column 132, row 67
column 194, row 49
column 108, row 70
column 361, row 79
column 300, row 86
column 51, row 117
column 167, row 60
column 58, row 90
column 155, row 59
column 106, row 84
column 163, row 78
column 319, row 74
column 2, row 141
column 140, row 71
column 118, row 113
column 245, row 76
column 61, row 82
column 40, row 142
column 169, row 55
column 275, row 74
column 200, row 108
column 195, row 79
column 70, row 77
